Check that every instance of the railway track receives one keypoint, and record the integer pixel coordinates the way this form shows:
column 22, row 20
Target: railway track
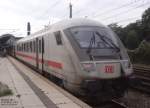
column 143, row 74
column 119, row 104
column 110, row 104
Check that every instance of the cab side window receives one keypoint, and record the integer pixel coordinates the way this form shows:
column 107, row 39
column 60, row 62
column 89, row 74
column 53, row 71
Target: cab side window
column 58, row 37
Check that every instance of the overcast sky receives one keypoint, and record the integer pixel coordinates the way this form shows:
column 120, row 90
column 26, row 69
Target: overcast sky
column 16, row 13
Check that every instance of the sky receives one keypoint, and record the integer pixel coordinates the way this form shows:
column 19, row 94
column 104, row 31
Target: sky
column 16, row 13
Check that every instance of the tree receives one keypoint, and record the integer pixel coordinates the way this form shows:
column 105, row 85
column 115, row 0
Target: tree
column 134, row 33
column 146, row 24
column 119, row 31
column 137, row 27
column 141, row 54
column 132, row 40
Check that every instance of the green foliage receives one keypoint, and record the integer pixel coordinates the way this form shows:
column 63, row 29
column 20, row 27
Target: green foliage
column 134, row 33
column 132, row 40
column 136, row 38
column 146, row 24
column 141, row 54
column 4, row 90
column 119, row 31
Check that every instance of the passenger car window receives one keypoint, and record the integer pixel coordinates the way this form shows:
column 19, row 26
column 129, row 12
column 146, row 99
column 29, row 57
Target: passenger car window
column 43, row 45
column 34, row 45
column 24, row 47
column 31, row 46
column 28, row 44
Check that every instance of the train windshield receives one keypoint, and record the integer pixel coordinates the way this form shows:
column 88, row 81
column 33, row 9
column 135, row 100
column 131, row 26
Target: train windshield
column 94, row 37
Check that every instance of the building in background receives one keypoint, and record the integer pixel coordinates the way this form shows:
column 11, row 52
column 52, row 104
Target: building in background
column 7, row 42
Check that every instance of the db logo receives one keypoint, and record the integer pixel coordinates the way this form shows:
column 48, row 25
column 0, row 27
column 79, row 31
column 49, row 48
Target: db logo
column 109, row 68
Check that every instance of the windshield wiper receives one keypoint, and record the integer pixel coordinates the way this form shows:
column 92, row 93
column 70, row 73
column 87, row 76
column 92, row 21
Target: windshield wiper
column 110, row 43
column 92, row 41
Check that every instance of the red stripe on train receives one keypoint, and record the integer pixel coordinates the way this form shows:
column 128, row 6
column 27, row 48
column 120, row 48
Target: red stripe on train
column 54, row 64
column 26, row 56
column 49, row 62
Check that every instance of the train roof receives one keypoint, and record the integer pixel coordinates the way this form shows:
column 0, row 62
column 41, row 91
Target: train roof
column 76, row 22
column 64, row 24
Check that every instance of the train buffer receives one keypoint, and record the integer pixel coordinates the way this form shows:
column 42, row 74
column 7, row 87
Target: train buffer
column 31, row 90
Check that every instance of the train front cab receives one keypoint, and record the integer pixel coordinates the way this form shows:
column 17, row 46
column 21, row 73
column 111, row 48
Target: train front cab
column 105, row 68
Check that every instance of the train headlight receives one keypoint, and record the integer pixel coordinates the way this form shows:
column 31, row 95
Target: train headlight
column 88, row 67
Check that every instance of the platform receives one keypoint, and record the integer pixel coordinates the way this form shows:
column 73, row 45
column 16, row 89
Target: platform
column 31, row 90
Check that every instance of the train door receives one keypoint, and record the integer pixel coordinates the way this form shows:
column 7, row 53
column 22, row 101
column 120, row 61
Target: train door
column 41, row 52
column 37, row 55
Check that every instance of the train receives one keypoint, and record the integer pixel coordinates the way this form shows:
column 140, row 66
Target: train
column 84, row 56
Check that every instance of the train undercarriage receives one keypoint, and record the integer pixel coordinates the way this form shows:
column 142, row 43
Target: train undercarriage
column 104, row 90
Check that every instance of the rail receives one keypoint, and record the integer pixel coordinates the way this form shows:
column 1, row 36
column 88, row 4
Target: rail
column 111, row 104
column 143, row 74
column 119, row 104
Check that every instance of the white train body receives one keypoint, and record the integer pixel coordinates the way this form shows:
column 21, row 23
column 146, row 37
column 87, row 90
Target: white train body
column 85, row 55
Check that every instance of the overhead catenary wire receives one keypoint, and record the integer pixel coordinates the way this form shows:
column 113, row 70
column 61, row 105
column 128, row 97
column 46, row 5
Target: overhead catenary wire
column 8, row 29
column 126, row 11
column 117, row 8
column 127, row 19
column 129, row 4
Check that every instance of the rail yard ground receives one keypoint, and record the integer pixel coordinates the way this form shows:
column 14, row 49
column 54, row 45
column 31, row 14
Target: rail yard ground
column 135, row 99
